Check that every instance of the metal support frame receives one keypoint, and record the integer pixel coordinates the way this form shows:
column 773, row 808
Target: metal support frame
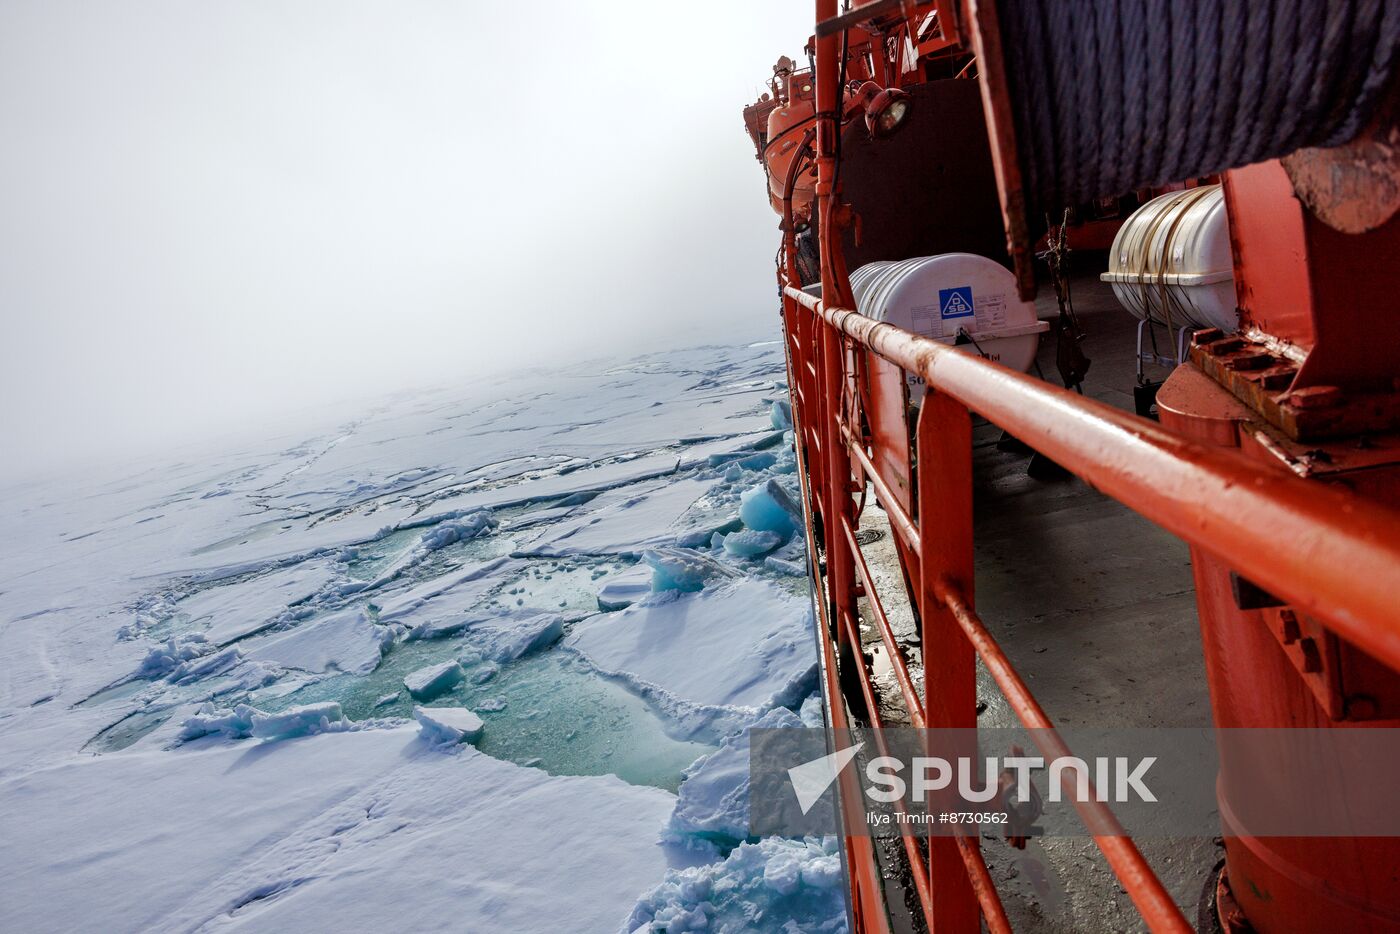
column 1342, row 572
column 1215, row 499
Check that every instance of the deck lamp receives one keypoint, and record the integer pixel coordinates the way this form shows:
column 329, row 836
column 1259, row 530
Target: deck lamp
column 886, row 112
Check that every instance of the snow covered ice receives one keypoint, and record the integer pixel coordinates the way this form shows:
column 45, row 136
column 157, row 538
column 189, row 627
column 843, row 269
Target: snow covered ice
column 489, row 652
column 448, row 724
column 427, row 683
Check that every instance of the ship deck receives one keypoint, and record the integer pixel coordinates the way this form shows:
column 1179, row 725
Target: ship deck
column 1095, row 606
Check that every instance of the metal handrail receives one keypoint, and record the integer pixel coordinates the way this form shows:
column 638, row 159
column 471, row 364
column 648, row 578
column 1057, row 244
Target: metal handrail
column 1213, row 498
column 1342, row 565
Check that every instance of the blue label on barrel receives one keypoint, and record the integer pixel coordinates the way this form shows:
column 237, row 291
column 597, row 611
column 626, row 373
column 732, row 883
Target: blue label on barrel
column 955, row 303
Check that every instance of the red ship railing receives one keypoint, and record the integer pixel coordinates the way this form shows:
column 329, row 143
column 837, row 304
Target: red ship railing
column 1341, row 564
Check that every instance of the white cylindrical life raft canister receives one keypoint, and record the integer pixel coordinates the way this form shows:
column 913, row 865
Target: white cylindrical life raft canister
column 955, row 298
column 1171, row 261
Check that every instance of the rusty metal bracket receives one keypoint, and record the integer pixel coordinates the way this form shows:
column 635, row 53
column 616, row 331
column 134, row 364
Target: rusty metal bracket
column 1260, row 377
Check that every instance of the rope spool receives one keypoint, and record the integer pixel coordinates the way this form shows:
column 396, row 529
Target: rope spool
column 1112, row 95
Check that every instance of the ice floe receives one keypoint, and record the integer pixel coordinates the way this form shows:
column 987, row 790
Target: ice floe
column 435, row 680
column 239, row 626
column 768, row 508
column 713, row 802
column 347, row 640
column 448, row 725
column 625, row 588
column 231, row 611
column 772, row 885
column 742, row 644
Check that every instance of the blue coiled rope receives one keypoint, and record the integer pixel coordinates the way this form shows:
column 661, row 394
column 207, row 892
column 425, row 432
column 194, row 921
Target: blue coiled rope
column 1112, row 95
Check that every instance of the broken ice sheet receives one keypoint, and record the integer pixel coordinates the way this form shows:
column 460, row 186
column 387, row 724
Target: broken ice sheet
column 346, row 507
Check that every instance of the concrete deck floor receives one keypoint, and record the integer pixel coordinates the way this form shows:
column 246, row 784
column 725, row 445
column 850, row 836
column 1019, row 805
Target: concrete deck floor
column 1096, row 609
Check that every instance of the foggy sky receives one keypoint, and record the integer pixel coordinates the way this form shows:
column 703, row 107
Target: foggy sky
column 212, row 212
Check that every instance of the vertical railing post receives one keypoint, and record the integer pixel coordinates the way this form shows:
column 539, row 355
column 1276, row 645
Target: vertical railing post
column 944, row 469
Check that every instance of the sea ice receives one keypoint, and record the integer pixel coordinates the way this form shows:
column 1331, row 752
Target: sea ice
column 346, row 640
column 245, row 720
column 306, row 720
column 436, row 606
column 768, row 508
column 510, row 635
column 448, row 725
column 203, row 666
column 625, row 521
column 677, row 569
column 742, row 644
column 166, row 657
column 792, row 885
column 781, row 414
column 625, row 588
column 785, row 567
column 228, row 612
column 235, row 724
column 458, row 529
column 713, row 802
column 747, row 543
column 336, row 825
column 435, row 680
column 239, row 835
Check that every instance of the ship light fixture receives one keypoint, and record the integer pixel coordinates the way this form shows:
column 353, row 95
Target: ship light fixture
column 886, row 112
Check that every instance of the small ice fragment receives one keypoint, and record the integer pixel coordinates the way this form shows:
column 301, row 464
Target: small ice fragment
column 761, row 461
column 680, row 570
column 507, row 637
column 781, row 415
column 427, row 683
column 175, row 651
column 734, row 473
column 626, row 588
column 485, row 673
column 768, row 508
column 458, row 530
column 448, row 725
column 309, row 719
column 824, row 872
column 235, row 724
column 781, row 566
column 387, row 699
column 751, row 544
column 491, row 704
column 783, row 873
column 205, row 665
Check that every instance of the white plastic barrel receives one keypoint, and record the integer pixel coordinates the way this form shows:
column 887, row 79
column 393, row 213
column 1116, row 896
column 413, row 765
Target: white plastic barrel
column 955, row 298
column 1171, row 261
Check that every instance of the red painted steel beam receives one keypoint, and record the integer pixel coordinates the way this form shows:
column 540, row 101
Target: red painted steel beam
column 993, row 912
column 982, row 885
column 1127, row 862
column 863, row 875
column 944, row 482
column 1324, row 550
